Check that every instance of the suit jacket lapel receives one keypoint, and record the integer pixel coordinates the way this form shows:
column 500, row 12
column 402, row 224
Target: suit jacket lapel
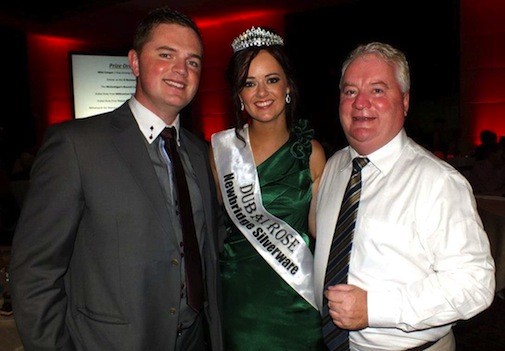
column 130, row 145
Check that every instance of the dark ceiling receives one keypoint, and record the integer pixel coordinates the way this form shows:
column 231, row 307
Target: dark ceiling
column 89, row 18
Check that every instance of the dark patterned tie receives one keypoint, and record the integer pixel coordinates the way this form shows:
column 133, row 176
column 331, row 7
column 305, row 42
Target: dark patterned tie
column 192, row 260
column 338, row 259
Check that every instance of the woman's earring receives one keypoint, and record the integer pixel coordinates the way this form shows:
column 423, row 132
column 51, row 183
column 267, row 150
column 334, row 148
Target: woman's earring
column 241, row 105
column 288, row 98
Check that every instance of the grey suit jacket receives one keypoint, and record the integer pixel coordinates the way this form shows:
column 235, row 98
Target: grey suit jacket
column 94, row 264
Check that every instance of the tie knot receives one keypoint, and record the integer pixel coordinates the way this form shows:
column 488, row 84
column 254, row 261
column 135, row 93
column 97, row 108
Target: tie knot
column 169, row 133
column 358, row 163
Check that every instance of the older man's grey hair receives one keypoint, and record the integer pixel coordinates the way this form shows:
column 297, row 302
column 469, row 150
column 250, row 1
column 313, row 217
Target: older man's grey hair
column 392, row 56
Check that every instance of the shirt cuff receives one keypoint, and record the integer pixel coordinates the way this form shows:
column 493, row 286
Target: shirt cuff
column 384, row 308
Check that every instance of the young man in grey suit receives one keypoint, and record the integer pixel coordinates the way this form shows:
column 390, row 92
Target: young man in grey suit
column 97, row 259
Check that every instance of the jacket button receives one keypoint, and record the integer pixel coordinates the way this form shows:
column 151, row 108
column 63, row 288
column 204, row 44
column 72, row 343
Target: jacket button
column 174, row 262
column 172, row 310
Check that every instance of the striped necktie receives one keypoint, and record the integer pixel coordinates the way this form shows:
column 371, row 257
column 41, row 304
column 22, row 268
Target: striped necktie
column 338, row 260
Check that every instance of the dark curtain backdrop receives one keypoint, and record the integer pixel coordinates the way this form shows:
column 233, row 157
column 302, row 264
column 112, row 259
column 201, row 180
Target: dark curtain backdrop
column 17, row 129
column 427, row 31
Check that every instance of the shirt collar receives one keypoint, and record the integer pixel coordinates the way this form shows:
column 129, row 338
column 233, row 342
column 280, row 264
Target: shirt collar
column 149, row 123
column 385, row 157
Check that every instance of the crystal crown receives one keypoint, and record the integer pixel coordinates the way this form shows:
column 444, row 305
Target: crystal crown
column 256, row 37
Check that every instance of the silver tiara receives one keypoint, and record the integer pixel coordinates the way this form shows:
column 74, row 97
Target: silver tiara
column 256, row 37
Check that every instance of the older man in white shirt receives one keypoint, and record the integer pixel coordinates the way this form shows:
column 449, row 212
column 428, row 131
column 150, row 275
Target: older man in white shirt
column 420, row 259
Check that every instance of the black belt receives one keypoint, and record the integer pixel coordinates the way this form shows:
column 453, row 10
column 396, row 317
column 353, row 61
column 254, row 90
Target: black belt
column 423, row 346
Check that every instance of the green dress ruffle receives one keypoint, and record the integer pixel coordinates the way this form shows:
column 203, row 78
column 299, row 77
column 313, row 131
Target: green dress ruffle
column 261, row 311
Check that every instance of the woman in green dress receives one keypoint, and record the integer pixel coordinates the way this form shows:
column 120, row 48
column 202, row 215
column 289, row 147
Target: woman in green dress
column 267, row 168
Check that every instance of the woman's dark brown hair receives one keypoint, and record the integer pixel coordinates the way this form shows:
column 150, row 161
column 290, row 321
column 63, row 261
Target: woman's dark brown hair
column 237, row 71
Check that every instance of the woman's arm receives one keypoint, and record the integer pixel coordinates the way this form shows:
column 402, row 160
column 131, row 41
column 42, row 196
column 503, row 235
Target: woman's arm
column 316, row 163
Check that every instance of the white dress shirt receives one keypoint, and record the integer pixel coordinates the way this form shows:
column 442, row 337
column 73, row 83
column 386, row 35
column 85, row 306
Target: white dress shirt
column 149, row 123
column 419, row 247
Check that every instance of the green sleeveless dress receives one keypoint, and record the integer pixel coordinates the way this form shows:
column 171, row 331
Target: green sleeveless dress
column 261, row 311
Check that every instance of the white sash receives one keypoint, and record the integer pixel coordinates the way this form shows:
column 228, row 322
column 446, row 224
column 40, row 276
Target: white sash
column 279, row 244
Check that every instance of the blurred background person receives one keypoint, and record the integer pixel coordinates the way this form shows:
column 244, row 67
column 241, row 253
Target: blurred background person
column 488, row 173
column 488, row 139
